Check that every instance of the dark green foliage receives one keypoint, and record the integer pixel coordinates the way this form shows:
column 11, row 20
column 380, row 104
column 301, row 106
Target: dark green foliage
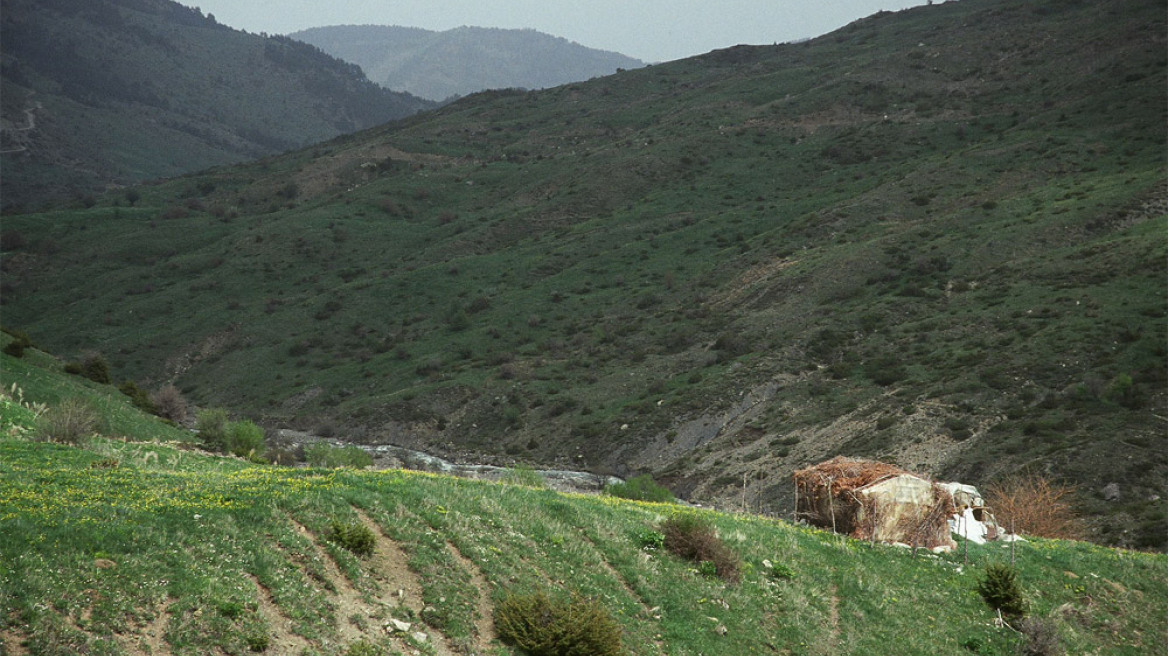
column 138, row 396
column 20, row 342
column 354, row 536
column 641, row 488
column 546, row 625
column 1001, row 590
column 694, row 539
column 92, row 366
column 212, row 427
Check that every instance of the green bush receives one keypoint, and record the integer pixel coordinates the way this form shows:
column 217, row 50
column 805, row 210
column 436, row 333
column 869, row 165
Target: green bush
column 354, row 536
column 70, row 422
column 20, row 341
column 1001, row 590
column 212, row 426
column 323, row 454
column 692, row 538
column 92, row 366
column 641, row 488
column 245, row 439
column 650, row 539
column 543, row 625
column 138, row 397
column 217, row 433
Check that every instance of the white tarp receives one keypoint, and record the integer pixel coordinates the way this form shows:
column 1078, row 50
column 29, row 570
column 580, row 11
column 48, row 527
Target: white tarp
column 967, row 526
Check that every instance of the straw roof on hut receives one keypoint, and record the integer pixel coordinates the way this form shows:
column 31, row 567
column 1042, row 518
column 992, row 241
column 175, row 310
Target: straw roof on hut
column 871, row 500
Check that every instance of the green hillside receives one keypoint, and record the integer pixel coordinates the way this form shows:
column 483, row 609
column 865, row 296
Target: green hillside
column 935, row 237
column 122, row 546
column 120, row 91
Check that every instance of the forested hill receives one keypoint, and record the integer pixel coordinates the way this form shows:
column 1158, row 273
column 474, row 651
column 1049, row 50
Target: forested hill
column 440, row 65
column 119, row 91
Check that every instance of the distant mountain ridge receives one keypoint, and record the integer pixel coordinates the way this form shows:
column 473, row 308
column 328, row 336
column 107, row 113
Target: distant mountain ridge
column 464, row 60
column 119, row 91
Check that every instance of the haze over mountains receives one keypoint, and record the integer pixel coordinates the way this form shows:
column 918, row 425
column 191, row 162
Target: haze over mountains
column 119, row 91
column 457, row 62
column 892, row 241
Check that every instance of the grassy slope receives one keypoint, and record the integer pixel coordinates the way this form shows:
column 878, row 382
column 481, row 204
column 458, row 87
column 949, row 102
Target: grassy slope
column 128, row 547
column 892, row 241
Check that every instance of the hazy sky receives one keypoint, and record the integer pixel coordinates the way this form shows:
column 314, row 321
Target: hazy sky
column 651, row 30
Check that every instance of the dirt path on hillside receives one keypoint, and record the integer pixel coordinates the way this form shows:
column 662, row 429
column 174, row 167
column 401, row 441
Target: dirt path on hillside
column 485, row 632
column 370, row 615
column 281, row 637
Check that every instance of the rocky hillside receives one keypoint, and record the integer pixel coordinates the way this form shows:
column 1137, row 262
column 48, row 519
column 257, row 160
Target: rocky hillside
column 444, row 65
column 99, row 92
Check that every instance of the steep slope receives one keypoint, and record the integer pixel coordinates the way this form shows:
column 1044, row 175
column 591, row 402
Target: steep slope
column 120, row 91
column 442, row 65
column 891, row 241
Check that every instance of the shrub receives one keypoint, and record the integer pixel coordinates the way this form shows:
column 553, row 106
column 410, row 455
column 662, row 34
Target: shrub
column 543, row 625
column 170, row 404
column 138, row 396
column 322, row 454
column 692, row 538
column 20, row 341
column 212, row 426
column 245, row 439
column 1041, row 638
column 1034, row 505
column 650, row 539
column 1001, row 590
column 641, row 488
column 70, row 422
column 354, row 536
column 92, row 366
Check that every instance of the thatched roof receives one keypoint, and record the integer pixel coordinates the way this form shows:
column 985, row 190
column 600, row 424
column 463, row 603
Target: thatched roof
column 846, row 474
